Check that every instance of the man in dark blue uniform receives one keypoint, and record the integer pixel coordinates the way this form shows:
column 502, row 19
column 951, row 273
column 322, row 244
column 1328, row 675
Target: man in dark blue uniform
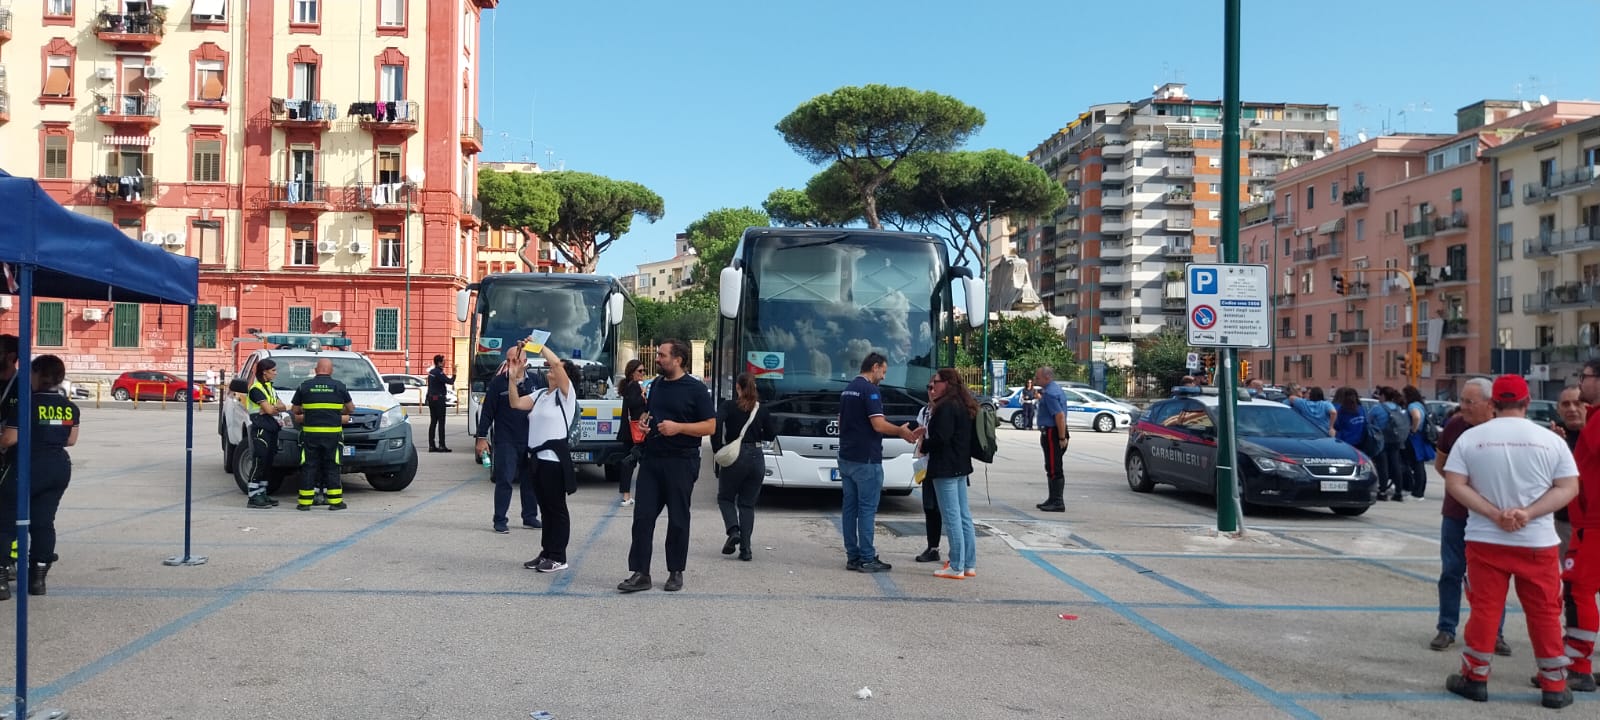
column 506, row 429
column 55, row 422
column 438, row 384
column 322, row 405
column 862, row 427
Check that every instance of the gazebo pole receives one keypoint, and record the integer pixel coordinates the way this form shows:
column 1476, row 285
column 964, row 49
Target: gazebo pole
column 188, row 459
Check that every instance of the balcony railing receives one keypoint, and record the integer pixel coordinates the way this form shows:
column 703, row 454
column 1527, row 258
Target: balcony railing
column 1577, row 239
column 1330, row 249
column 1455, row 326
column 1357, row 196
column 471, row 135
column 131, row 190
column 135, row 109
column 298, row 193
column 1179, row 197
column 1180, row 223
column 387, row 114
column 1180, row 142
column 1180, row 171
column 1074, row 185
column 1174, row 303
column 5, row 24
column 139, row 28
column 378, row 196
column 1453, row 222
column 1576, row 179
column 1567, row 353
column 1354, row 336
column 1535, row 193
column 1571, row 295
column 1286, row 333
column 471, row 210
column 1178, row 252
column 1283, row 300
column 1358, row 289
column 291, row 112
column 1452, row 274
column 1418, row 230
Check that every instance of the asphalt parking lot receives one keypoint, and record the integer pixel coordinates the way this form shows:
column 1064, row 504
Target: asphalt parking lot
column 408, row 606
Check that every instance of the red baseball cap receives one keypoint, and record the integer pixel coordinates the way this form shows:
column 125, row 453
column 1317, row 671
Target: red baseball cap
column 1510, row 389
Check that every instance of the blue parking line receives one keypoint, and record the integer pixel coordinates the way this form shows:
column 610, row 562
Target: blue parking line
column 1276, row 699
column 1364, row 561
column 230, row 596
column 885, row 583
column 559, row 587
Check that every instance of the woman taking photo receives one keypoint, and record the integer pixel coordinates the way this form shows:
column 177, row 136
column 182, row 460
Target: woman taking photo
column 549, row 413
column 948, row 446
column 739, row 484
column 632, row 393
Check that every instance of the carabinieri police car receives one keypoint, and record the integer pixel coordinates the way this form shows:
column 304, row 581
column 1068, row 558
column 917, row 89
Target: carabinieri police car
column 1283, row 459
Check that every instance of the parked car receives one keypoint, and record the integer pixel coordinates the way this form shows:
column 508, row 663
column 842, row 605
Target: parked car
column 156, row 385
column 416, row 389
column 1085, row 409
column 1543, row 412
column 1283, row 460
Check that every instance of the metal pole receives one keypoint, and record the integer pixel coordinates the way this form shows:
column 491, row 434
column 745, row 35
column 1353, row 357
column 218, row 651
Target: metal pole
column 406, row 234
column 1272, row 371
column 1228, row 509
column 188, row 465
column 983, row 272
column 24, row 470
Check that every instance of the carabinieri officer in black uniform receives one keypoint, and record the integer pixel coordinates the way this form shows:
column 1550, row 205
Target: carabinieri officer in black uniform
column 55, row 428
column 321, row 407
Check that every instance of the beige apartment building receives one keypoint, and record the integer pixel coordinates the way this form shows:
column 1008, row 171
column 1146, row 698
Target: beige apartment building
column 284, row 148
column 1547, row 279
column 665, row 280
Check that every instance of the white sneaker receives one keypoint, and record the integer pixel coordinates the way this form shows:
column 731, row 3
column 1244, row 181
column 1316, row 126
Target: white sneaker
column 626, row 503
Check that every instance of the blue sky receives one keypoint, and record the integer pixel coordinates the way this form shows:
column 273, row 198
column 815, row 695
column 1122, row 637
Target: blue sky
column 683, row 96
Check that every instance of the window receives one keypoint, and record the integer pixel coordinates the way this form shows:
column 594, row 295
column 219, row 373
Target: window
column 303, row 165
column 386, row 329
column 205, row 326
column 389, row 166
column 58, row 7
column 206, row 165
column 1215, row 188
column 1503, row 241
column 1308, row 325
column 305, row 13
column 1361, row 179
column 1333, row 364
column 390, row 252
column 55, row 157
column 1305, row 366
column 208, row 83
column 1547, row 169
column 1361, row 229
column 132, row 227
column 207, row 237
column 51, row 330
column 392, row 83
column 1333, row 192
column 1360, row 364
column 305, row 81
column 58, row 76
column 1311, row 197
column 209, row 11
column 392, row 13
column 300, row 319
column 1455, row 360
column 125, row 325
column 302, row 248
column 1333, row 322
column 1502, row 295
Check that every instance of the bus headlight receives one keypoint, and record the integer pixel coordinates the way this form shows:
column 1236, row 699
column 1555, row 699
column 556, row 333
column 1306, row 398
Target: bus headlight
column 392, row 417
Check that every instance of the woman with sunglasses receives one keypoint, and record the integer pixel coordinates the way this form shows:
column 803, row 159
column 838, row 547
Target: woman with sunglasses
column 948, row 445
column 632, row 392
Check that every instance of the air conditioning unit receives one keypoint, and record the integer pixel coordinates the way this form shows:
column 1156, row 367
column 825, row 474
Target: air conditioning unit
column 327, row 247
column 1333, row 337
column 5, row 302
column 228, row 312
column 152, row 237
column 94, row 314
column 105, row 73
column 173, row 240
column 154, row 72
column 330, row 317
column 358, row 248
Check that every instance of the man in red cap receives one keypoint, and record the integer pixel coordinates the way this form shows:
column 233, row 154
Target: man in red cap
column 1512, row 473
column 1582, row 564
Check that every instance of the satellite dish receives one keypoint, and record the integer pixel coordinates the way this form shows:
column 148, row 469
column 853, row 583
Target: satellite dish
column 1361, row 137
column 1526, row 106
column 1543, row 101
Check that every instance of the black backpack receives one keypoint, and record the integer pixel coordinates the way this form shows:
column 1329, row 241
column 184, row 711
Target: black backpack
column 984, row 438
column 1399, row 427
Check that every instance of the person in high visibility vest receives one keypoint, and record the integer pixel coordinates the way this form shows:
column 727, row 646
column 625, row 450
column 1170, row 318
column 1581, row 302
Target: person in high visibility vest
column 322, row 405
column 262, row 404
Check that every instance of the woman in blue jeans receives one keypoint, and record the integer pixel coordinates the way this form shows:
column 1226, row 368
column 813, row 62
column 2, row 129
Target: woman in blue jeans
column 948, row 446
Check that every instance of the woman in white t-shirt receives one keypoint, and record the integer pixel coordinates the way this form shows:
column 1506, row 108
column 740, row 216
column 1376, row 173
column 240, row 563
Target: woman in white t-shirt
column 550, row 412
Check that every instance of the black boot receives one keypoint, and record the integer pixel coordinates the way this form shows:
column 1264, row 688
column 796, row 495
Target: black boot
column 733, row 541
column 5, row 582
column 36, row 573
column 1055, row 503
column 744, row 548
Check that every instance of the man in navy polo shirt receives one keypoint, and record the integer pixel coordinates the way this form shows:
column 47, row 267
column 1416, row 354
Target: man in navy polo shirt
column 861, row 431
column 1053, row 436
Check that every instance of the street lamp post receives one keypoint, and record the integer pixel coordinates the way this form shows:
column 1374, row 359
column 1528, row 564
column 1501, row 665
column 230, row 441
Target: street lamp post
column 413, row 182
column 983, row 272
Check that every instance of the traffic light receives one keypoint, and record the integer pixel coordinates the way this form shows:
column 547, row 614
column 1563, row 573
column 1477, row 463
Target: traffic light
column 1338, row 283
column 1244, row 370
column 1404, row 363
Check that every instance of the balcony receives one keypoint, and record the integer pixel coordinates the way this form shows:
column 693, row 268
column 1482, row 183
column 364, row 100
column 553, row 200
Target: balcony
column 1114, row 250
column 1330, row 249
column 1567, row 353
column 1455, row 222
column 1286, row 333
column 1455, row 327
column 1180, row 171
column 1418, row 231
column 1283, row 300
column 1358, row 289
column 382, row 196
column 388, row 116
column 471, row 211
column 1114, row 174
column 1565, row 297
column 1111, row 302
column 1349, row 337
column 306, row 196
column 1180, row 144
column 1536, row 193
column 1357, row 196
column 1073, row 185
column 1178, row 197
column 471, row 136
column 133, row 113
column 1067, row 285
column 1452, row 274
column 1573, row 181
column 5, row 24
column 1114, row 148
column 1109, row 224
column 1178, row 253
column 1185, row 224
column 292, row 114
column 1115, row 200
column 126, row 191
column 130, row 30
column 1071, row 210
column 1507, row 199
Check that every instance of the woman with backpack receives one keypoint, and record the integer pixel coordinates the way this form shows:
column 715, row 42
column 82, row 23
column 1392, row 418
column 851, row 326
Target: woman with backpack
column 948, row 445
column 1395, row 427
column 741, row 420
column 1418, row 451
column 1352, row 427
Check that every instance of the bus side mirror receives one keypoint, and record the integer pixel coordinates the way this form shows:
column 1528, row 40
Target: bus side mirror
column 614, row 308
column 463, row 299
column 731, row 285
column 977, row 301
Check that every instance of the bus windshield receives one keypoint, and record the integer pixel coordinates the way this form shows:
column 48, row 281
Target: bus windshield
column 572, row 312
column 820, row 306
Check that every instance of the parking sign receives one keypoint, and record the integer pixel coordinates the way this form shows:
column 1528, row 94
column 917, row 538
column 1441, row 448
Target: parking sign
column 1228, row 306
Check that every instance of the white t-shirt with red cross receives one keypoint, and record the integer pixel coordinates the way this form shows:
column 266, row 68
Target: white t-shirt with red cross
column 1512, row 462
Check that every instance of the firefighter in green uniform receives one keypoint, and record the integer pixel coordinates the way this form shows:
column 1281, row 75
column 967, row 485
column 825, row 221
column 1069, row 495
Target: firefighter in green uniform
column 262, row 431
column 321, row 407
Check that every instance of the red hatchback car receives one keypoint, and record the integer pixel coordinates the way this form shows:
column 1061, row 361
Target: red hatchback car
column 155, row 385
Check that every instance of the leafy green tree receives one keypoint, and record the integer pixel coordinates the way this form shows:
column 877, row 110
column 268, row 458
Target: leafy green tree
column 788, row 207
column 1026, row 344
column 594, row 212
column 690, row 316
column 524, row 202
column 715, row 235
column 868, row 130
column 1163, row 356
column 958, row 191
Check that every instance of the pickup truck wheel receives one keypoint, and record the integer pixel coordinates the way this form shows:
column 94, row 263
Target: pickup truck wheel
column 244, row 463
column 397, row 480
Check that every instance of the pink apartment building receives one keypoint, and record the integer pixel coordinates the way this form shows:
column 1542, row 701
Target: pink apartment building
column 1379, row 218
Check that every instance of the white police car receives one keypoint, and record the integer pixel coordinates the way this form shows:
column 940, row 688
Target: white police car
column 1085, row 409
column 1283, row 460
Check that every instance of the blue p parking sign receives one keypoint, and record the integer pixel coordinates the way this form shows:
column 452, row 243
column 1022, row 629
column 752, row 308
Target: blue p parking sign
column 1202, row 281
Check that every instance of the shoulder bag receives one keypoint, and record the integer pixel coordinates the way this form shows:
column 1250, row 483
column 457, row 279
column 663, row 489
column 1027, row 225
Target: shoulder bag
column 730, row 452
